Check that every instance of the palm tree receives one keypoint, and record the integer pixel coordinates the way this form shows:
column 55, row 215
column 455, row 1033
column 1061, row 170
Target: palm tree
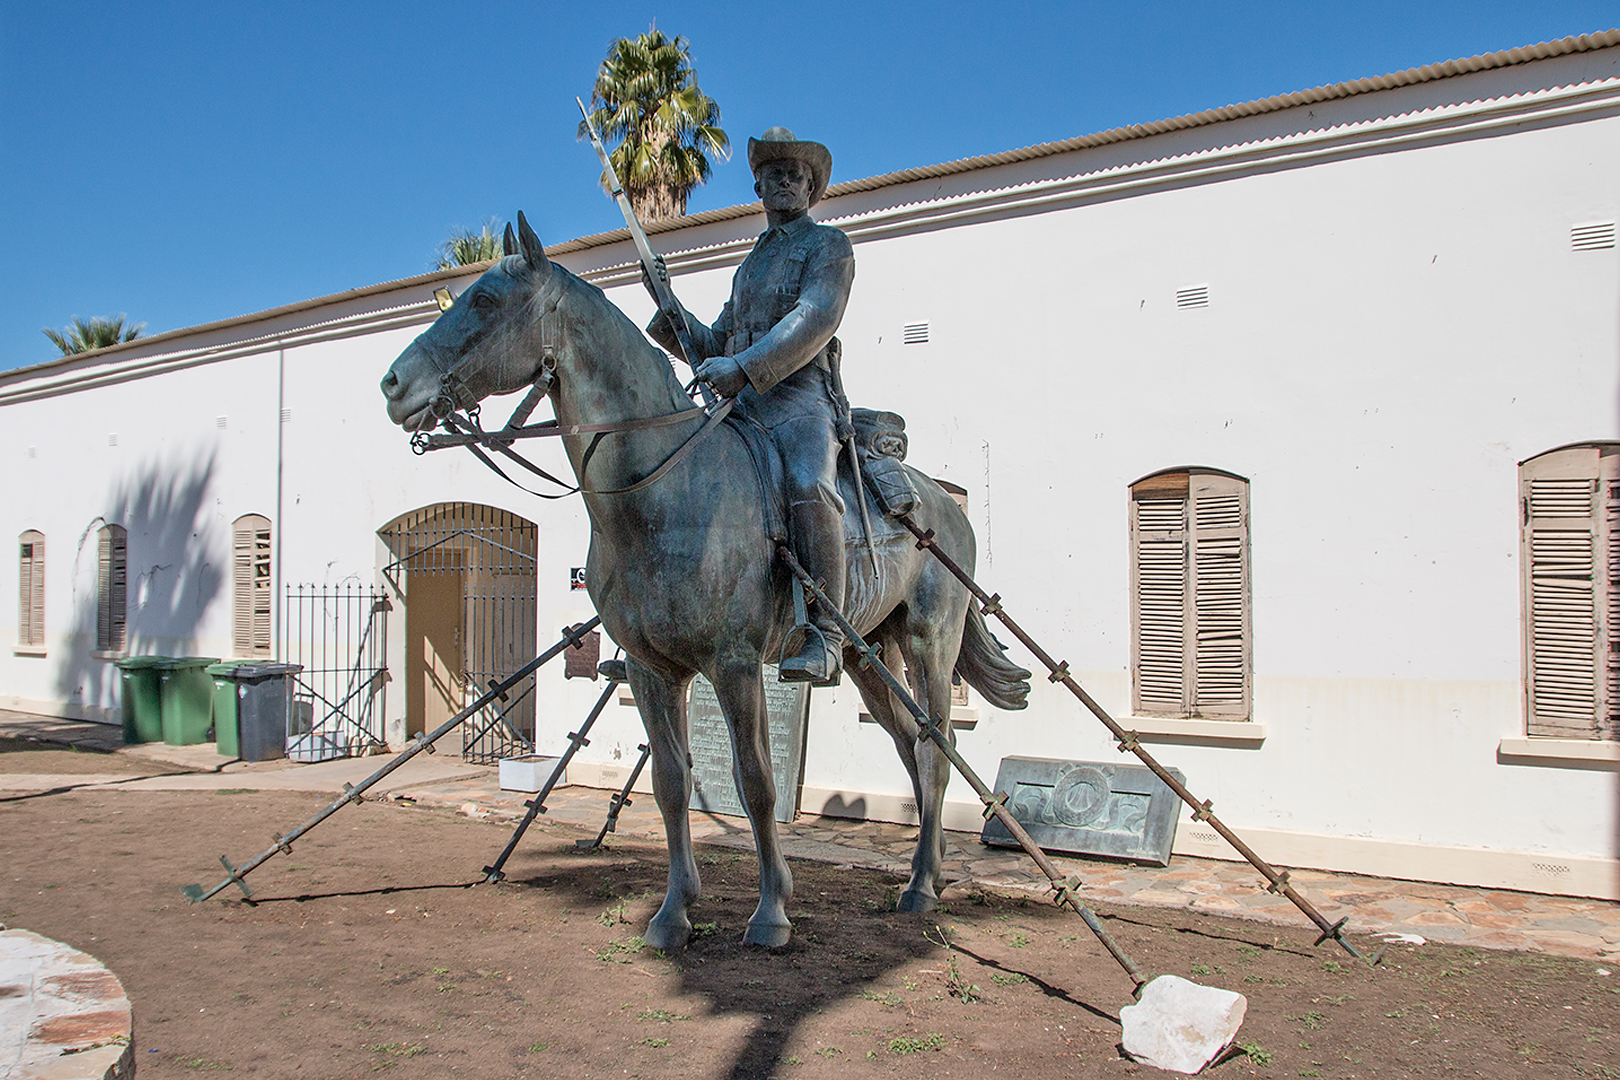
column 646, row 96
column 95, row 333
column 465, row 246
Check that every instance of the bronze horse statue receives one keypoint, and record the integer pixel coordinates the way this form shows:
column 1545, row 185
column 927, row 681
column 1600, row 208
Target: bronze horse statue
column 683, row 570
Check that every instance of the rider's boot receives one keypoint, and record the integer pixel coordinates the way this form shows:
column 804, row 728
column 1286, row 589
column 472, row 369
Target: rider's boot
column 818, row 541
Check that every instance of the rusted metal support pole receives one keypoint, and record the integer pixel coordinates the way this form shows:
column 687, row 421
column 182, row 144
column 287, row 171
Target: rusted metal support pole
column 620, row 800
column 354, row 793
column 537, row 805
column 1128, row 740
column 1063, row 889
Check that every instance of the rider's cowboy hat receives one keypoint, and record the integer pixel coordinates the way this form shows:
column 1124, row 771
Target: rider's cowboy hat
column 779, row 143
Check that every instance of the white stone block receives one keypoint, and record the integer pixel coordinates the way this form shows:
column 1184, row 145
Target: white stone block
column 1180, row 1026
column 529, row 773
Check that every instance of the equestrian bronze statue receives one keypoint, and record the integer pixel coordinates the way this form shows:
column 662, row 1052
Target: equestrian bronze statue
column 682, row 566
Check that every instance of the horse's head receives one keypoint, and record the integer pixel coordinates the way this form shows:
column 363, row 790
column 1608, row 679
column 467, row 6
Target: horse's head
column 488, row 342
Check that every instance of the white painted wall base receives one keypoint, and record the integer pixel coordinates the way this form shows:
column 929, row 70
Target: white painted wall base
column 1523, row 871
column 65, row 710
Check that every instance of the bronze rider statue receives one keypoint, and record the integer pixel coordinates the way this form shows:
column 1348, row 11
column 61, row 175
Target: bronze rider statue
column 773, row 349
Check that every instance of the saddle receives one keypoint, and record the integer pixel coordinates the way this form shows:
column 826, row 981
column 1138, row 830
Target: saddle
column 888, row 490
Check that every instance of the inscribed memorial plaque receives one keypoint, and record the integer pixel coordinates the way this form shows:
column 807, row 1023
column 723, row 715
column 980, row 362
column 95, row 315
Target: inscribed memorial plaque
column 1088, row 808
column 713, row 789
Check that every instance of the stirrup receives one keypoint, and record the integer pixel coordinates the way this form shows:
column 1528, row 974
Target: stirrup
column 797, row 660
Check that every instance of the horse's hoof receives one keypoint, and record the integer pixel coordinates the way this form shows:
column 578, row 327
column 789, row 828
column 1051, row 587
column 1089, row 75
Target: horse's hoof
column 917, row 900
column 768, row 935
column 668, row 934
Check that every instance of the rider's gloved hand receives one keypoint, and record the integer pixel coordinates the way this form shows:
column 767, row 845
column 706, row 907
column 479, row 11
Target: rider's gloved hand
column 724, row 374
column 672, row 311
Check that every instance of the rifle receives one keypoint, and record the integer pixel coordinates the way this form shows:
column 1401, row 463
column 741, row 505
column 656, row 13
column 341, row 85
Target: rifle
column 649, row 261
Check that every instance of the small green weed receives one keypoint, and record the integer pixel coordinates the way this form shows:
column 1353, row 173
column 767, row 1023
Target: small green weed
column 655, row 1042
column 1011, row 978
column 829, row 1051
column 236, row 791
column 1200, row 969
column 203, row 1064
column 404, row 1050
column 704, row 929
column 662, row 1016
column 907, row 1045
column 792, row 1059
column 622, row 951
column 1017, row 939
column 1257, row 1053
column 1333, row 967
column 536, row 1048
column 881, row 997
column 614, row 915
column 958, row 987
column 1313, row 1020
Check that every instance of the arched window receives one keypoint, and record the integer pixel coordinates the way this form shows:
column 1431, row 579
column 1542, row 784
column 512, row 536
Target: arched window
column 1190, row 647
column 31, row 590
column 1569, row 566
column 250, row 586
column 112, row 589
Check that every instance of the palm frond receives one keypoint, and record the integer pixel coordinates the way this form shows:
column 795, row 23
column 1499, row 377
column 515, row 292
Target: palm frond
column 93, row 333
column 647, row 100
column 465, row 247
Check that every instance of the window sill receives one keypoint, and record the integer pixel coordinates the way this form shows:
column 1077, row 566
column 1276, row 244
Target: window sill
column 1560, row 753
column 1240, row 734
column 28, row 650
column 121, row 654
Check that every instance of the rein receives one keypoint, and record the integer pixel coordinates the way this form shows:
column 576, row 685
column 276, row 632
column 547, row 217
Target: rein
column 466, row 430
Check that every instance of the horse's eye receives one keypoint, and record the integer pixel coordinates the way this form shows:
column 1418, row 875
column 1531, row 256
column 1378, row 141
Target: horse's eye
column 483, row 303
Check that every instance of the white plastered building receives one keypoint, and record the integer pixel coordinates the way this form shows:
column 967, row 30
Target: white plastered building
column 1314, row 351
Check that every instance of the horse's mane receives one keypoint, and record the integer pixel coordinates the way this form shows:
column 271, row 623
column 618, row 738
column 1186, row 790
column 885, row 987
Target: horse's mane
column 579, row 300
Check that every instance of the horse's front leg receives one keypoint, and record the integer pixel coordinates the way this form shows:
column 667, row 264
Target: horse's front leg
column 740, row 687
column 662, row 702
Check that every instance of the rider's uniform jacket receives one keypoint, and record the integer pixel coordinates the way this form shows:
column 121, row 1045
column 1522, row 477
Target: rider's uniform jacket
column 786, row 303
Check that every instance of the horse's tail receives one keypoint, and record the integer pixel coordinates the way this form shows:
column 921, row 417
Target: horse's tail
column 983, row 664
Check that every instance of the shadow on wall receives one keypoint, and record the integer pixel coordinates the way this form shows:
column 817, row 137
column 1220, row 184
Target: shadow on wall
column 176, row 562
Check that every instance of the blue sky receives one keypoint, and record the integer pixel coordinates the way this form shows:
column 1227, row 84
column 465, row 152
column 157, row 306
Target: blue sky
column 185, row 162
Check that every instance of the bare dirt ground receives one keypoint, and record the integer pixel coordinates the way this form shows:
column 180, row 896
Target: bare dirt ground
column 370, row 950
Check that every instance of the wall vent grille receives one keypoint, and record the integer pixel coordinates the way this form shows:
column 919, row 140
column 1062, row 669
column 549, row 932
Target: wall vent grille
column 30, row 452
column 1593, row 236
column 1193, row 296
column 219, row 422
column 112, row 438
column 914, row 333
column 286, row 416
column 1550, row 870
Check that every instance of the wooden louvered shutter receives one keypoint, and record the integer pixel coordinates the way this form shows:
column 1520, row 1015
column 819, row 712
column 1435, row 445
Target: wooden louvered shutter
column 250, row 594
column 1569, row 511
column 111, row 589
column 31, row 590
column 1160, row 596
column 1219, row 637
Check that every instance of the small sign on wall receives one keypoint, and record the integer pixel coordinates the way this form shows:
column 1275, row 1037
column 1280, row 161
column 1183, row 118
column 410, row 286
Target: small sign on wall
column 576, row 577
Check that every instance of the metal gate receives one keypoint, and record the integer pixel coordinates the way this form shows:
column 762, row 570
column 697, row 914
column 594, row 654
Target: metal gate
column 338, row 635
column 495, row 553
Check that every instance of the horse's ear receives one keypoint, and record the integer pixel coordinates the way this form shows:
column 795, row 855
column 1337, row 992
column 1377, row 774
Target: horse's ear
column 509, row 244
column 534, row 253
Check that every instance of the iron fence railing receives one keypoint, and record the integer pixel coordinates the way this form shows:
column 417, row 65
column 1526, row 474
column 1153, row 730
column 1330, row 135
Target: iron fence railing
column 337, row 634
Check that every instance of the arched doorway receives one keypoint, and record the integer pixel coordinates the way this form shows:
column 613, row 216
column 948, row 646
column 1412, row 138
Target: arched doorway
column 466, row 574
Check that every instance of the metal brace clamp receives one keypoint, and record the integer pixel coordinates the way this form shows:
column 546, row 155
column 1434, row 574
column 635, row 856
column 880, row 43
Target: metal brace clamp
column 1064, row 892
column 494, row 685
column 421, row 741
column 578, row 739
column 1335, row 932
column 1204, row 812
column 991, row 606
column 990, row 804
column 926, row 540
column 528, row 804
column 354, row 796
column 1060, row 672
column 1280, row 884
column 1129, row 743
column 236, row 878
column 281, row 844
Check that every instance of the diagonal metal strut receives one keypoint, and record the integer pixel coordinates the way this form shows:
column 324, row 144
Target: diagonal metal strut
column 1063, row 889
column 354, row 793
column 1128, row 740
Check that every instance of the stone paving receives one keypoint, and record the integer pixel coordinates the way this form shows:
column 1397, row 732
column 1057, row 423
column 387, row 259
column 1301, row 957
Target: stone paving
column 1490, row 918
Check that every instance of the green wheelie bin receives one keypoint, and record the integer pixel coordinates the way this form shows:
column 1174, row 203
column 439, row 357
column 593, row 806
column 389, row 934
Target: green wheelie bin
column 226, row 731
column 142, row 701
column 186, row 694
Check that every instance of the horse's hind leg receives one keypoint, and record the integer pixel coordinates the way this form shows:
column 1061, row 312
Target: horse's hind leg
column 740, row 688
column 663, row 712
column 931, row 686
column 890, row 715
